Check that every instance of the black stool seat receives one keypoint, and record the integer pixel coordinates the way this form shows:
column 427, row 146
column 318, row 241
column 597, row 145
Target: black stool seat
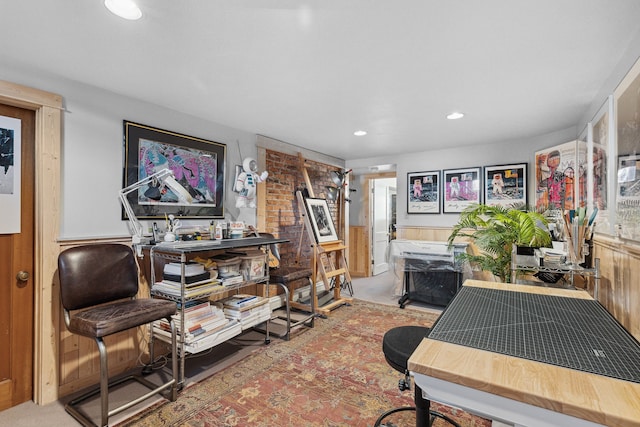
column 398, row 344
column 289, row 274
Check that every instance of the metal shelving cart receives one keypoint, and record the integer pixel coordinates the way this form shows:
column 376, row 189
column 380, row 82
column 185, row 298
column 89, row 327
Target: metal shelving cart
column 530, row 263
column 183, row 252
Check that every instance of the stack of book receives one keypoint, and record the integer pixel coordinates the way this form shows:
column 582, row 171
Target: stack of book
column 248, row 310
column 549, row 256
column 233, row 280
column 199, row 319
column 229, row 269
column 197, row 281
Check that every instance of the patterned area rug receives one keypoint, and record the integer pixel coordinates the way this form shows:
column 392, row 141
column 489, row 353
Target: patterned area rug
column 333, row 375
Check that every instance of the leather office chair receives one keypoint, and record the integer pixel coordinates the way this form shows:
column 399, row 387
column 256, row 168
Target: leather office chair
column 98, row 285
column 397, row 345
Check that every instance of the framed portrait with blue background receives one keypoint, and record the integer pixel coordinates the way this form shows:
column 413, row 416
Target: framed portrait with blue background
column 505, row 185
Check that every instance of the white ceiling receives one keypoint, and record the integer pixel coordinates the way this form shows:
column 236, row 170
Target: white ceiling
column 312, row 72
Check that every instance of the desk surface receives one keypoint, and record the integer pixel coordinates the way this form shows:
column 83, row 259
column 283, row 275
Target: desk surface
column 593, row 397
column 185, row 247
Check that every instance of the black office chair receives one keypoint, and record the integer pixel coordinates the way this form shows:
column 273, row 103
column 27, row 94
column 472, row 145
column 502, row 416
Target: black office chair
column 397, row 345
column 98, row 286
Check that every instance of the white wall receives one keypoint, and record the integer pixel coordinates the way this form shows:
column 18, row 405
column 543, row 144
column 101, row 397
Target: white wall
column 453, row 158
column 92, row 152
column 482, row 155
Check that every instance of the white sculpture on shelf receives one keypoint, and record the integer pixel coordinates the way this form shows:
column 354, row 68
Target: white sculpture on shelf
column 246, row 183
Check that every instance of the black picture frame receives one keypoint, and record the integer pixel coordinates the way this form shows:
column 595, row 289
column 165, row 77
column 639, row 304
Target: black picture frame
column 461, row 188
column 506, row 185
column 423, row 192
column 320, row 219
column 198, row 164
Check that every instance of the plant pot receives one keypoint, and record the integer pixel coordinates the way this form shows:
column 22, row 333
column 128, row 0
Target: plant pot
column 525, row 250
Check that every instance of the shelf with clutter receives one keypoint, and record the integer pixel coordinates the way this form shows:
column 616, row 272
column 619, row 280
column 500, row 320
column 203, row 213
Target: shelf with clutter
column 209, row 280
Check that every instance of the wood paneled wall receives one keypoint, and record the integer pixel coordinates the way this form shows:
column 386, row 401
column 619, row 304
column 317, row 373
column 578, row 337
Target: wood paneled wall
column 434, row 234
column 620, row 280
column 359, row 265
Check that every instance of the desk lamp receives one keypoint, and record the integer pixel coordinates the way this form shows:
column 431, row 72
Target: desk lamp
column 162, row 178
column 339, row 178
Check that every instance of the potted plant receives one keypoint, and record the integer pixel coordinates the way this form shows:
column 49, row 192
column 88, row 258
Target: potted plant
column 495, row 230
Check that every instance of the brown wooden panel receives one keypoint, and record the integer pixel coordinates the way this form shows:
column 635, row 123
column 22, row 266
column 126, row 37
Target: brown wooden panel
column 619, row 284
column 359, row 259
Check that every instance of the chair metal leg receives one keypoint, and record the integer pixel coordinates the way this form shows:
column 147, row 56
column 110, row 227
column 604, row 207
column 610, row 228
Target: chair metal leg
column 307, row 321
column 105, row 384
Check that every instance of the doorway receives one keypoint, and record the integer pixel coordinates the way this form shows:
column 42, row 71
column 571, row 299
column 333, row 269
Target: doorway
column 383, row 219
column 17, row 266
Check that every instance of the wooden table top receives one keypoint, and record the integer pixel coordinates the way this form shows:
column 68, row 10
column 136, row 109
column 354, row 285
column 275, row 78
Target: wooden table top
column 580, row 394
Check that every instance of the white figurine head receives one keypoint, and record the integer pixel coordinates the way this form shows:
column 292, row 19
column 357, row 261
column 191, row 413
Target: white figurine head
column 249, row 165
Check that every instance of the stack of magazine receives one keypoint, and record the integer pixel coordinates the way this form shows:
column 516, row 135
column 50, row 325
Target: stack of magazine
column 200, row 320
column 248, row 310
column 197, row 281
column 204, row 325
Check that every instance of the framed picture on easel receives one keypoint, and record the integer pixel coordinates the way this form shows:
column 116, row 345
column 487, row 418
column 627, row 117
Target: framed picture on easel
column 320, row 219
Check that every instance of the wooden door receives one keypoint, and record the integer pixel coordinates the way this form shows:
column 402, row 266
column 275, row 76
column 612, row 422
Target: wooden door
column 17, row 293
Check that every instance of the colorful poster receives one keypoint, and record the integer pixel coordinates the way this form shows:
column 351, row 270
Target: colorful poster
column 10, row 172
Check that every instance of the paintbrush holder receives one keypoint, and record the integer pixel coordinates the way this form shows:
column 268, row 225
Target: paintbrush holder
column 576, row 252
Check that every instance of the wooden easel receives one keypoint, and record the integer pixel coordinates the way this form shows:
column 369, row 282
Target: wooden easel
column 323, row 256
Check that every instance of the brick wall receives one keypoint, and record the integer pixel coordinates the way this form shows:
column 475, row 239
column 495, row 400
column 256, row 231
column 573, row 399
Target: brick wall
column 283, row 217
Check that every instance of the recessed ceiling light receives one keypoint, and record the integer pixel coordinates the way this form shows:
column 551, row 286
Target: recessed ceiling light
column 360, row 133
column 455, row 115
column 126, row 9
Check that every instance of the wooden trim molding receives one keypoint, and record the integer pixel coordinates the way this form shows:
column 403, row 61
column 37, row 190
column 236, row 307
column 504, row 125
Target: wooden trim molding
column 48, row 109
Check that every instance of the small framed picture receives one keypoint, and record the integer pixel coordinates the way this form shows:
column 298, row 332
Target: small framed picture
column 505, row 185
column 423, row 192
column 320, row 219
column 461, row 189
column 629, row 177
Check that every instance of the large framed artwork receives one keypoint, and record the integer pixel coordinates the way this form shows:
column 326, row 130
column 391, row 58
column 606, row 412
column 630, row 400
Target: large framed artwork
column 628, row 196
column 198, row 165
column 600, row 136
column 505, row 185
column 561, row 177
column 423, row 192
column 627, row 108
column 320, row 219
column 461, row 189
